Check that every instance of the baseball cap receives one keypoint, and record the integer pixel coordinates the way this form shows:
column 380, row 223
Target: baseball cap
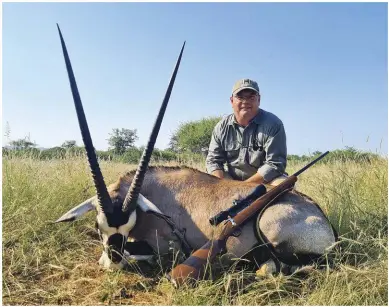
column 244, row 84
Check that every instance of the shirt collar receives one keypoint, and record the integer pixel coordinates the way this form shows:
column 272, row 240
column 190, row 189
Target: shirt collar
column 256, row 119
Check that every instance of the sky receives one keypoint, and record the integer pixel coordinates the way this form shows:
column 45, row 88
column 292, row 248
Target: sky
column 321, row 67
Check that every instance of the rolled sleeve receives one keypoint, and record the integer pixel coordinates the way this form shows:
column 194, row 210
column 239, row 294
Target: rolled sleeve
column 276, row 154
column 215, row 158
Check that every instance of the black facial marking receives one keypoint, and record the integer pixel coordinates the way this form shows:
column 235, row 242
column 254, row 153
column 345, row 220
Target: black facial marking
column 115, row 247
column 117, row 217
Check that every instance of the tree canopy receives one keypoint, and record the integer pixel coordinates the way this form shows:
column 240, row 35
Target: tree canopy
column 193, row 136
column 22, row 144
column 122, row 139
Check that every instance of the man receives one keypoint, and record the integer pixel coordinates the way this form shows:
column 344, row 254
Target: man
column 251, row 141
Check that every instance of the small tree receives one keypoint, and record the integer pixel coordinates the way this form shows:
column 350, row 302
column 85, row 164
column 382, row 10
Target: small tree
column 193, row 136
column 69, row 144
column 121, row 140
column 22, row 144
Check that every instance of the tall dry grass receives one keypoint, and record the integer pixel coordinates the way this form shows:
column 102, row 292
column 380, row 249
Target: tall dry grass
column 49, row 264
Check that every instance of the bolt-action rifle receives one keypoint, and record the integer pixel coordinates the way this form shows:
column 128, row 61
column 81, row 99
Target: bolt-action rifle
column 194, row 266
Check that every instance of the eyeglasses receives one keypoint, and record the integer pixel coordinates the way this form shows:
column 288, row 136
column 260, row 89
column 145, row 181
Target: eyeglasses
column 247, row 98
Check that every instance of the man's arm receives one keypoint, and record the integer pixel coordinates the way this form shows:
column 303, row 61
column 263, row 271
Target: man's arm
column 256, row 178
column 276, row 154
column 218, row 173
column 216, row 157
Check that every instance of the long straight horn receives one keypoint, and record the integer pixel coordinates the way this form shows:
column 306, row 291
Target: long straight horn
column 101, row 189
column 130, row 201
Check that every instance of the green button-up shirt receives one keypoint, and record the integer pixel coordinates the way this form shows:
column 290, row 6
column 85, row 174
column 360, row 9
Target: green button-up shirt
column 259, row 147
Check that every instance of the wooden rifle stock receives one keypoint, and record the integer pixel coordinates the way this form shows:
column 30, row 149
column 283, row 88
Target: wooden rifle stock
column 194, row 266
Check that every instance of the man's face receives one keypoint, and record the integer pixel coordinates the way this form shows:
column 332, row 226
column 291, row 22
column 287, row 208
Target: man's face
column 245, row 104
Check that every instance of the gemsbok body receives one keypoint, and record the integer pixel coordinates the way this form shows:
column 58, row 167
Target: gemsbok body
column 159, row 207
column 294, row 225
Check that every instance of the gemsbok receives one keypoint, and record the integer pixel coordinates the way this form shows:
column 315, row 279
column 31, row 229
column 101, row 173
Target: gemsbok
column 158, row 207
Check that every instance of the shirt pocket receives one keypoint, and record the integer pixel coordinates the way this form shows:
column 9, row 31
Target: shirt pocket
column 256, row 157
column 232, row 153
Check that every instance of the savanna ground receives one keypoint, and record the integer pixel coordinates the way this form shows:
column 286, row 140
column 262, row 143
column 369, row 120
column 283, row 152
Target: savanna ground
column 55, row 264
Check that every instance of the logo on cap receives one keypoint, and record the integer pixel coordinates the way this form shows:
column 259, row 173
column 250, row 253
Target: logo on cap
column 244, row 84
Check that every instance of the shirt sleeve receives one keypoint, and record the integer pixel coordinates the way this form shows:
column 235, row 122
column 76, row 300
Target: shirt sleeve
column 216, row 158
column 276, row 154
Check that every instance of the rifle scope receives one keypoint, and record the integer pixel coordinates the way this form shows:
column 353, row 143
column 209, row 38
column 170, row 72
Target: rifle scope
column 238, row 205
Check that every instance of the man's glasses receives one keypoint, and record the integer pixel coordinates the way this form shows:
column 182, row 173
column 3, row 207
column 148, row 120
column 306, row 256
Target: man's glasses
column 247, row 98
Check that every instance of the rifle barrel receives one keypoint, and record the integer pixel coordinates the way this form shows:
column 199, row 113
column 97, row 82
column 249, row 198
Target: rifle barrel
column 311, row 163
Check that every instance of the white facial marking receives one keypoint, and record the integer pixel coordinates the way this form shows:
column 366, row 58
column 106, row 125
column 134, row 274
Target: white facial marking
column 106, row 263
column 106, row 231
column 126, row 228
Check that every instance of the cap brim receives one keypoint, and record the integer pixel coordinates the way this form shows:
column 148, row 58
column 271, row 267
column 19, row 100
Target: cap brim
column 246, row 88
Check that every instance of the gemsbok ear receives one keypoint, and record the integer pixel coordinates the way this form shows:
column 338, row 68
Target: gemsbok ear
column 78, row 211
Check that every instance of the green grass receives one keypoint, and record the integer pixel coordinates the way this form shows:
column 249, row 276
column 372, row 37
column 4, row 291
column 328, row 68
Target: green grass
column 49, row 264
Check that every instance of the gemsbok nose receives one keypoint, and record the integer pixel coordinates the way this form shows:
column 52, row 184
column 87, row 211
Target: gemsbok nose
column 116, row 244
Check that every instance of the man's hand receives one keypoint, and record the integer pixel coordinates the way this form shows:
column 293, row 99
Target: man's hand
column 218, row 173
column 256, row 178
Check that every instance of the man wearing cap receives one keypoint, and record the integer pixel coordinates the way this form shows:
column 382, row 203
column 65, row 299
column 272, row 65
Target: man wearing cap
column 251, row 141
